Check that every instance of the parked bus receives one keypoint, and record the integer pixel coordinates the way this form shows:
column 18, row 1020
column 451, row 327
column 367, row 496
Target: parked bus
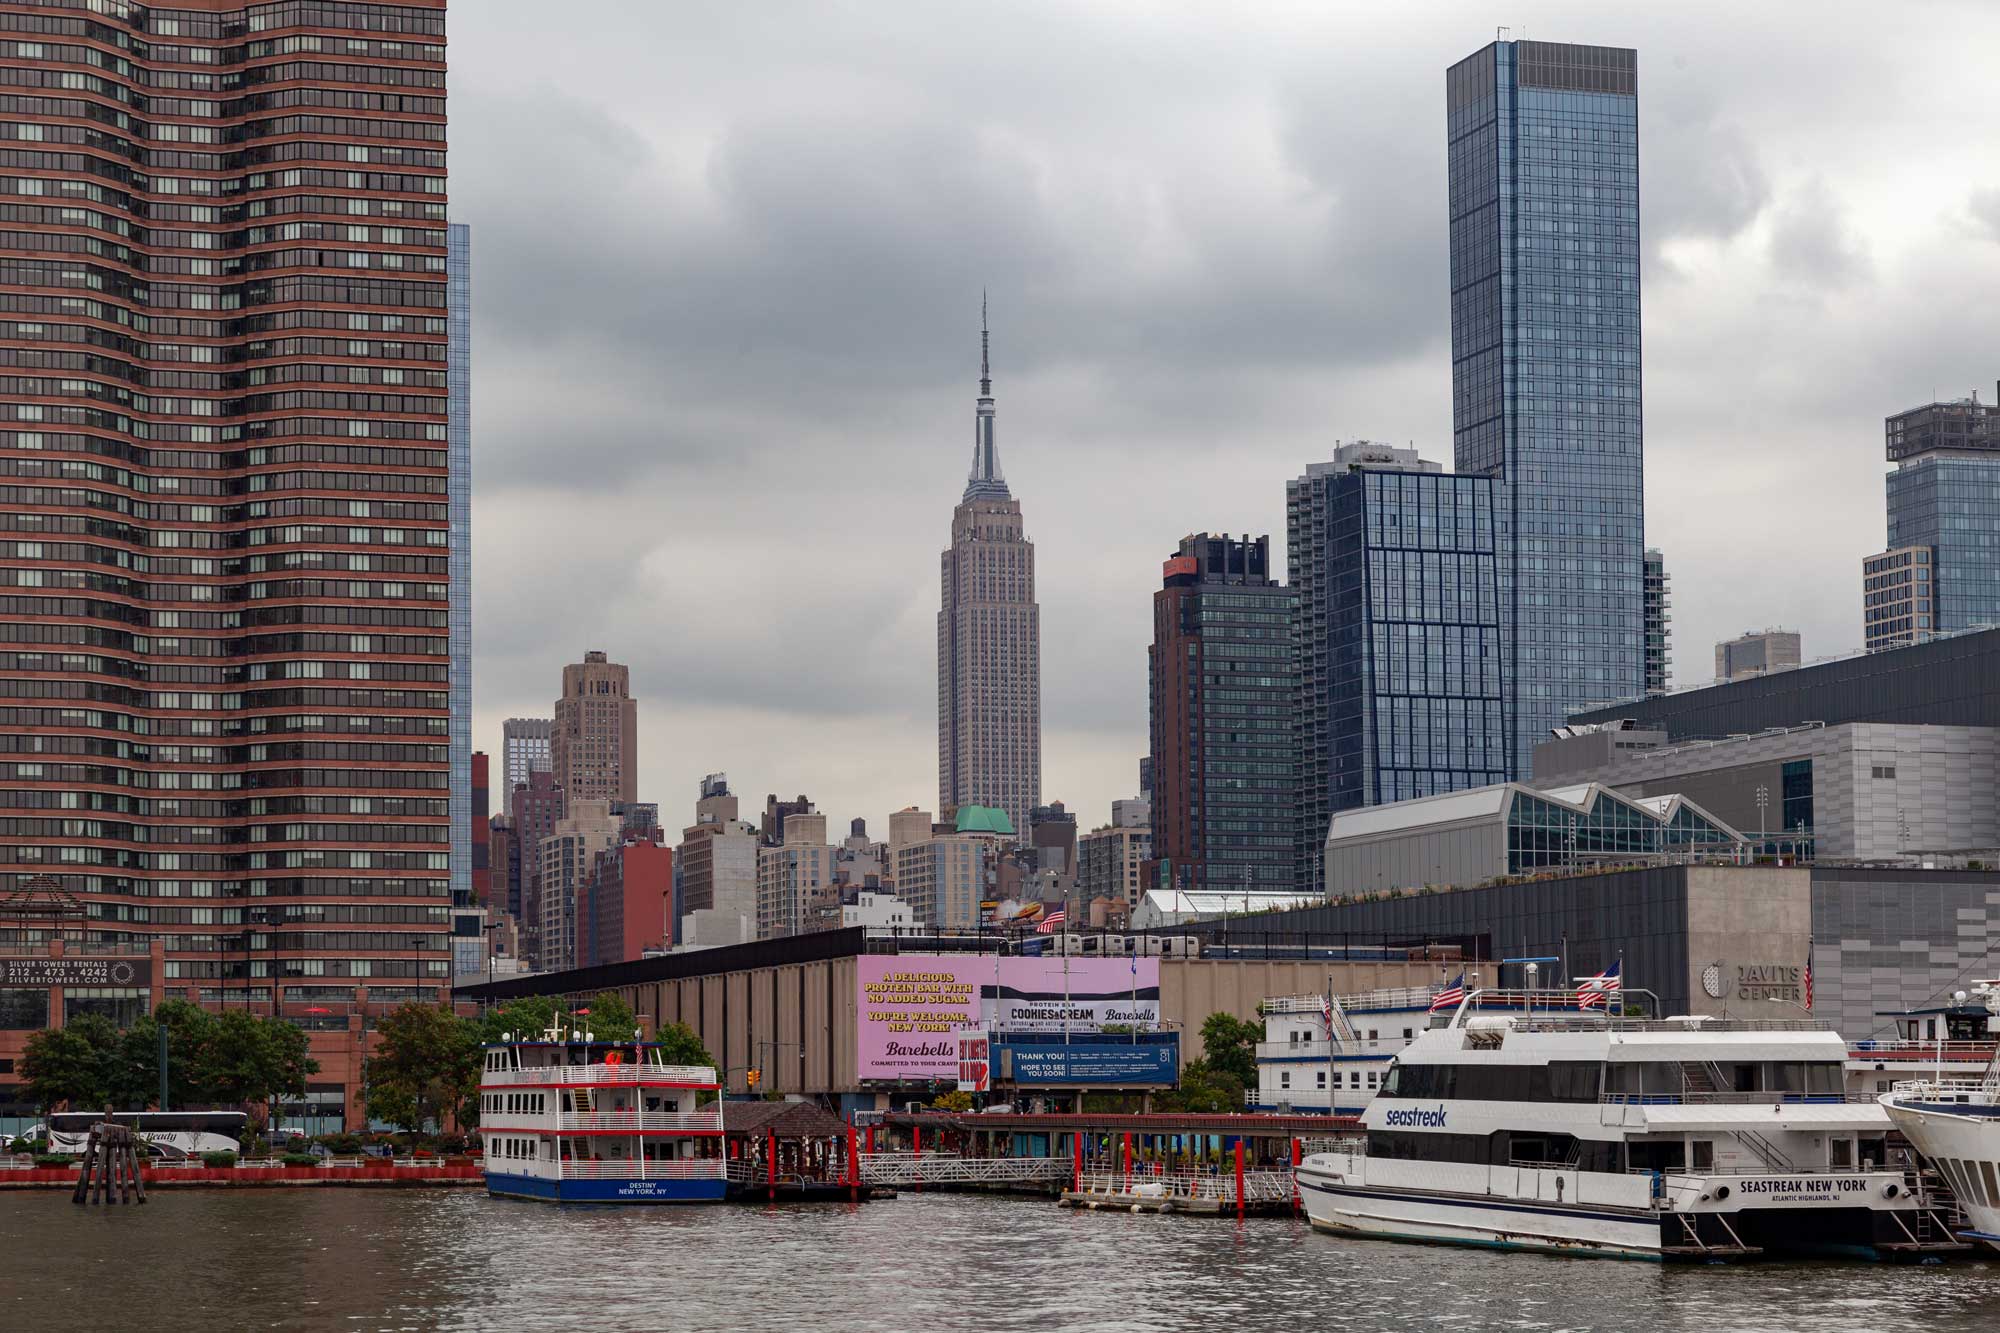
column 173, row 1135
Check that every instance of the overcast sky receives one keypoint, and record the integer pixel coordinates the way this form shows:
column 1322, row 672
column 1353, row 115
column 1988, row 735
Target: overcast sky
column 727, row 270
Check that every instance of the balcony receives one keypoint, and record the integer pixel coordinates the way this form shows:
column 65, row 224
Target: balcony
column 1323, row 1050
column 642, row 1122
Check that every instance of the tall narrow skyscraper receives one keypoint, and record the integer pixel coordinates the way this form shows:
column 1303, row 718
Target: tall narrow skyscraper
column 989, row 639
column 1941, row 573
column 1544, row 206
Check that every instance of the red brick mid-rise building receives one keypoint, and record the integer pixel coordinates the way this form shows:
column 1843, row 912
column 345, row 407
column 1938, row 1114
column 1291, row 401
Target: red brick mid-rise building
column 223, row 528
column 628, row 907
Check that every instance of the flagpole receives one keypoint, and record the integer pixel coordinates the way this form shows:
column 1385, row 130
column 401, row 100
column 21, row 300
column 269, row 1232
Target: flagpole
column 1329, row 1046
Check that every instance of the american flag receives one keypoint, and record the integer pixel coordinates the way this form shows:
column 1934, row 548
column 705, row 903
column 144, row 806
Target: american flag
column 1594, row 991
column 1808, row 978
column 1326, row 1012
column 1450, row 995
column 1050, row 922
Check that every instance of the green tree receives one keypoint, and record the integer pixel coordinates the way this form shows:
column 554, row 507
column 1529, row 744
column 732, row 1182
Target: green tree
column 1205, row 1090
column 610, row 1018
column 525, row 1018
column 136, row 1065
column 423, row 1066
column 1229, row 1045
column 71, row 1064
column 681, row 1045
column 248, row 1058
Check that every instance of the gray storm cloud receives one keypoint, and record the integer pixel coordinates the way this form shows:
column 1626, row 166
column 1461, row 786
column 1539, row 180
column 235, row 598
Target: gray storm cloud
column 727, row 272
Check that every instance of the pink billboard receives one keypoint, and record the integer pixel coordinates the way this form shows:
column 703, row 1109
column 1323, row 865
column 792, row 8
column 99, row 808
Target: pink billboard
column 911, row 1007
column 910, row 1012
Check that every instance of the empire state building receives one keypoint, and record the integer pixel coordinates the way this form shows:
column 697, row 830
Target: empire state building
column 989, row 640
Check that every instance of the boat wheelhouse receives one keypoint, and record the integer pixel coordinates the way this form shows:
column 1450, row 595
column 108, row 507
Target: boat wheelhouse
column 1522, row 1122
column 1955, row 1124
column 1320, row 1055
column 571, row 1119
column 1950, row 1041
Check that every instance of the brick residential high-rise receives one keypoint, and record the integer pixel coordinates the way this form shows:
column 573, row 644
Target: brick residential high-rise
column 989, row 640
column 594, row 749
column 224, row 668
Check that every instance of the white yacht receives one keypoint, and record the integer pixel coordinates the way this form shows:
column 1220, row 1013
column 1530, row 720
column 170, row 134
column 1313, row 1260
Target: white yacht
column 1955, row 1123
column 1523, row 1122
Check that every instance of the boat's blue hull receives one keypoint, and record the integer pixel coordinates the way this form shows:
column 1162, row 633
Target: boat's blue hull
column 606, row 1191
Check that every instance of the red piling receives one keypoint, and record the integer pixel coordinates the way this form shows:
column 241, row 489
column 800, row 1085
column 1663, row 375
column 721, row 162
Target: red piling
column 1239, row 1178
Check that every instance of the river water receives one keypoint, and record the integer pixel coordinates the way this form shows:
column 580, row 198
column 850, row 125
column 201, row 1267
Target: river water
column 315, row 1259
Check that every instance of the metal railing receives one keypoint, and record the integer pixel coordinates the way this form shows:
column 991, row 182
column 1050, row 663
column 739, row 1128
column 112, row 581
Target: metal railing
column 1318, row 1050
column 1918, row 1050
column 905, row 1168
column 642, row 1121
column 700, row 1076
column 1733, row 1098
column 1260, row 1186
column 1392, row 997
column 640, row 1168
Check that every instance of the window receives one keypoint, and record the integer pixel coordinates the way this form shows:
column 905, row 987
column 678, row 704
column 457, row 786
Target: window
column 1882, row 771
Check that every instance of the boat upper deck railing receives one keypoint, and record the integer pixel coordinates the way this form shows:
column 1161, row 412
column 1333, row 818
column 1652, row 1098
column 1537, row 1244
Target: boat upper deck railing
column 1916, row 1048
column 1735, row 1098
column 699, row 1076
column 1393, row 997
column 1557, row 1011
column 1972, row 1091
column 641, row 1168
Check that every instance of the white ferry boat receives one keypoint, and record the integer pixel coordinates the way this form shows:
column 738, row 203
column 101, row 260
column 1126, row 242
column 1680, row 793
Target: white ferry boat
column 570, row 1119
column 1524, row 1123
column 1327, row 1053
column 1955, row 1123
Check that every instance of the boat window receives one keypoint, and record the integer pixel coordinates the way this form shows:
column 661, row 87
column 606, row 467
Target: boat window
column 1840, row 1151
column 1657, row 1155
column 1704, row 1154
column 1392, row 1082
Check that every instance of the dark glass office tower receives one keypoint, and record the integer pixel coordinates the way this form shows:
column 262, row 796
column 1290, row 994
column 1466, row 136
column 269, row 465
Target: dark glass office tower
column 1222, row 681
column 1544, row 201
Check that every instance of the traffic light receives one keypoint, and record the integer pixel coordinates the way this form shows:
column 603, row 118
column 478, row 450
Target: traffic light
column 752, row 1076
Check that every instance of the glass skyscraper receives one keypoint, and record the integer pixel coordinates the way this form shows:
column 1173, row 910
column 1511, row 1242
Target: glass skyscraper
column 1944, row 500
column 1395, row 565
column 1544, row 205
column 458, row 499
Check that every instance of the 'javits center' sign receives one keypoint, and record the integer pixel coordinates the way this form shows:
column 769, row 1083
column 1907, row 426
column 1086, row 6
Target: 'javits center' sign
column 26, row 973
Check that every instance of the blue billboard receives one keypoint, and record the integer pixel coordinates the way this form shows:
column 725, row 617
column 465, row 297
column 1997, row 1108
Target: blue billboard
column 1093, row 1062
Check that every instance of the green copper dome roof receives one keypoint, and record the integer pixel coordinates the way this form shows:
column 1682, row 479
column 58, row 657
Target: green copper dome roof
column 984, row 819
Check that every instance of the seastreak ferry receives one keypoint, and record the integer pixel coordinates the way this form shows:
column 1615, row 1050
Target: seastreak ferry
column 571, row 1119
column 1955, row 1123
column 1523, row 1123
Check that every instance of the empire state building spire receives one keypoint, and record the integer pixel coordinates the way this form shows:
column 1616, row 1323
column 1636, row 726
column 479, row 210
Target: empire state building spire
column 986, row 481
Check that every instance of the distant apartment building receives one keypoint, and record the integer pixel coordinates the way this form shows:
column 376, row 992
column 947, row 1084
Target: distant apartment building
column 594, row 746
column 880, row 914
column 1110, row 863
column 524, row 748
column 1943, row 494
column 1052, row 836
column 567, row 860
column 1756, row 653
column 945, row 878
column 1659, row 622
column 1132, row 812
column 538, row 806
column 1402, row 632
column 1221, row 682
column 776, row 812
column 718, row 870
column 628, row 906
column 1898, row 604
column 482, row 845
column 796, row 890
